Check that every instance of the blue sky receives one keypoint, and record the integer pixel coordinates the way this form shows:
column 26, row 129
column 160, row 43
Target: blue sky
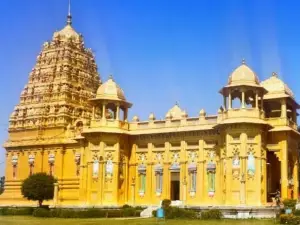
column 159, row 51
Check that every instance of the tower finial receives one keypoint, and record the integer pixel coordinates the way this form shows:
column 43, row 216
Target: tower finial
column 274, row 74
column 243, row 61
column 69, row 17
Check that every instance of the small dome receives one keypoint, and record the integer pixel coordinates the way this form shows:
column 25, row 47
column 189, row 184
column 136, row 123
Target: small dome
column 276, row 86
column 243, row 75
column 175, row 112
column 151, row 116
column 202, row 112
column 135, row 119
column 110, row 90
column 67, row 33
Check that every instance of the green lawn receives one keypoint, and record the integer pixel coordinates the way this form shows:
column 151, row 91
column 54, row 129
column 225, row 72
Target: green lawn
column 8, row 220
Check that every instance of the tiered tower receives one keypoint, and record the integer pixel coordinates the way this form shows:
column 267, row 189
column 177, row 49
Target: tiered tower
column 63, row 79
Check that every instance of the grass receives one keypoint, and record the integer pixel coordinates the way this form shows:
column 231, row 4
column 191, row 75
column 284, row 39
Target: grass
column 17, row 220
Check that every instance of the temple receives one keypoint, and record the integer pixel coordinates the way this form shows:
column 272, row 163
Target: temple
column 71, row 125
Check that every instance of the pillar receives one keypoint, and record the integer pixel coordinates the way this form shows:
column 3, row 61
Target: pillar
column 243, row 99
column 104, row 111
column 295, row 179
column 256, row 100
column 225, row 103
column 229, row 101
column 283, row 108
column 55, row 196
column 93, row 116
column 262, row 102
column 284, row 171
column 118, row 112
column 125, row 114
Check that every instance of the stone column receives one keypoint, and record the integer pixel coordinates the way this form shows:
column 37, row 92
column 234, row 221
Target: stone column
column 125, row 114
column 284, row 171
column 283, row 108
column 256, row 100
column 295, row 179
column 243, row 99
column 262, row 102
column 118, row 112
column 104, row 111
column 55, row 196
column 229, row 101
column 225, row 103
column 93, row 116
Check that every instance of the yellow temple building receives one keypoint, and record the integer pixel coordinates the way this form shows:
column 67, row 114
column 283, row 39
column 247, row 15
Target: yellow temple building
column 71, row 125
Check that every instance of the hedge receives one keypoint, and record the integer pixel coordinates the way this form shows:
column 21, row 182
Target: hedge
column 214, row 214
column 289, row 219
column 22, row 211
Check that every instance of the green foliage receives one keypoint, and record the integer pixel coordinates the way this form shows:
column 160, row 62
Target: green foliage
column 38, row 187
column 16, row 211
column 289, row 203
column 214, row 214
column 42, row 212
column 177, row 213
column 289, row 219
column 89, row 213
column 166, row 203
column 154, row 213
column 297, row 212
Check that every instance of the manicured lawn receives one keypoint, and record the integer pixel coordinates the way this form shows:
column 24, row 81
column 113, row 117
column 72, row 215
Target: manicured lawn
column 8, row 220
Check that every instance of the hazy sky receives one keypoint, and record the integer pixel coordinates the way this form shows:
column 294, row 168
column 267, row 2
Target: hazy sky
column 159, row 51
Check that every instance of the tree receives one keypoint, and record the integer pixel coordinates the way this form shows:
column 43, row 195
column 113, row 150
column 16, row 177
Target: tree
column 38, row 187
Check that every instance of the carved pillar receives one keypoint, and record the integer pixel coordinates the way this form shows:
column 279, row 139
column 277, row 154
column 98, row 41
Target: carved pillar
column 55, row 196
column 262, row 102
column 93, row 115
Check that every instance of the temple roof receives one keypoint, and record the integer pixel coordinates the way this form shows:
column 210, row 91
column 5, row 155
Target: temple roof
column 276, row 88
column 243, row 75
column 110, row 90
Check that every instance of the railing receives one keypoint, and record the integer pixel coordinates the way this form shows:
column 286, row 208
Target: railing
column 278, row 121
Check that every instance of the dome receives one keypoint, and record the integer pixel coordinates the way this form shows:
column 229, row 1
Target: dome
column 110, row 90
column 276, row 87
column 175, row 112
column 67, row 33
column 243, row 75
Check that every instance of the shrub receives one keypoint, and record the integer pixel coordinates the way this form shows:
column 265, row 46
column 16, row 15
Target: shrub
column 166, row 203
column 289, row 219
column 38, row 187
column 42, row 212
column 129, row 212
column 16, row 211
column 297, row 212
column 114, row 213
column 211, row 214
column 289, row 203
column 126, row 206
column 93, row 213
column 177, row 213
column 154, row 213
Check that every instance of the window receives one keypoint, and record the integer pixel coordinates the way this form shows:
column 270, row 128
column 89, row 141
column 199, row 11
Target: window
column 158, row 176
column 193, row 181
column 142, row 182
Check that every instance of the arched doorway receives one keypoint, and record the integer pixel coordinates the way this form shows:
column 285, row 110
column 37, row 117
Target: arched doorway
column 273, row 175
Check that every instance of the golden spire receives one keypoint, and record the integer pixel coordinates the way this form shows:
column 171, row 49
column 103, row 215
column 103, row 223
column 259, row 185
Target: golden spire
column 69, row 17
column 243, row 61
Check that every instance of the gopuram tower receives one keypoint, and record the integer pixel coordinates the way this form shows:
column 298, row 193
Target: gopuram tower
column 53, row 102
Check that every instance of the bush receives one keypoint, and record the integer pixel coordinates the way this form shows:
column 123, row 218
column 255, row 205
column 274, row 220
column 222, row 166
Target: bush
column 154, row 213
column 177, row 213
column 16, row 211
column 42, row 212
column 215, row 214
column 166, row 203
column 289, row 219
column 289, row 203
column 297, row 212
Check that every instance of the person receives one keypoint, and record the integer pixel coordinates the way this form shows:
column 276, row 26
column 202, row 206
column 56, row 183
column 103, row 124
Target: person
column 277, row 197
